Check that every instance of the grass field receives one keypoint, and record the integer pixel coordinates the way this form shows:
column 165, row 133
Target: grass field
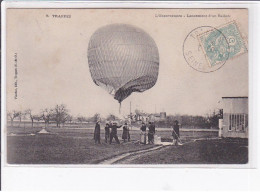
column 57, row 149
column 76, row 146
column 222, row 151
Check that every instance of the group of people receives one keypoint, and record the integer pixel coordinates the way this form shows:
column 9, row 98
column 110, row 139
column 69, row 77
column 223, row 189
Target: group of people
column 111, row 132
column 151, row 132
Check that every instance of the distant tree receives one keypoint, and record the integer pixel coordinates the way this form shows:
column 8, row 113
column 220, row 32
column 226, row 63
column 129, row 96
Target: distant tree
column 67, row 118
column 81, row 119
column 29, row 112
column 187, row 121
column 70, row 118
column 96, row 117
column 20, row 117
column 60, row 113
column 46, row 116
column 32, row 116
column 12, row 115
column 214, row 118
column 111, row 117
column 170, row 120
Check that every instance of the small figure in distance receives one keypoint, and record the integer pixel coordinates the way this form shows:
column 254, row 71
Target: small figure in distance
column 151, row 133
column 176, row 133
column 113, row 133
column 126, row 134
column 107, row 132
column 97, row 132
column 143, row 134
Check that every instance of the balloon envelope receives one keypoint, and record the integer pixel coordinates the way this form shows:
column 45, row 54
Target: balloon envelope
column 123, row 59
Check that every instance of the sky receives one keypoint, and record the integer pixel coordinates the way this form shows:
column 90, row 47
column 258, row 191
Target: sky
column 52, row 62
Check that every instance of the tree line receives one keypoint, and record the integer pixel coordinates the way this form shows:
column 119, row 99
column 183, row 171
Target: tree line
column 208, row 121
column 188, row 121
column 59, row 114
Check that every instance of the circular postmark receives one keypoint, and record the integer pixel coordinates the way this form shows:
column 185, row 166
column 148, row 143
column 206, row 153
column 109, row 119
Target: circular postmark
column 206, row 49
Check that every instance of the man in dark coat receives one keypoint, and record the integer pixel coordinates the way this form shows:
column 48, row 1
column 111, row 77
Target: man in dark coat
column 97, row 133
column 126, row 134
column 113, row 133
column 151, row 133
column 107, row 132
column 143, row 134
column 176, row 131
column 143, row 127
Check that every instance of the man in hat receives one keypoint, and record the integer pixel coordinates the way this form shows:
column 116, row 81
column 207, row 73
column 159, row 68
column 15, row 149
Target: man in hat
column 107, row 132
column 143, row 134
column 151, row 133
column 113, row 133
column 176, row 132
column 97, row 132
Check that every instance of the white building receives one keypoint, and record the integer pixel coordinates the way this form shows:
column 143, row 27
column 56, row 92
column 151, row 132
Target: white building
column 235, row 117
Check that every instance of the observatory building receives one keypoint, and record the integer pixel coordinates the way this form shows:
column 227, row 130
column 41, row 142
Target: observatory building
column 235, row 117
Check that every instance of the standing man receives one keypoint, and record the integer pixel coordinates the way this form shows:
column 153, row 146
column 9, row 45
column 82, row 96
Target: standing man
column 176, row 132
column 151, row 133
column 107, row 132
column 113, row 133
column 126, row 134
column 97, row 133
column 143, row 134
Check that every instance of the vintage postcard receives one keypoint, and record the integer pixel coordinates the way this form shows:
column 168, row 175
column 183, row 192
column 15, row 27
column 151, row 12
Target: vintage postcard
column 126, row 86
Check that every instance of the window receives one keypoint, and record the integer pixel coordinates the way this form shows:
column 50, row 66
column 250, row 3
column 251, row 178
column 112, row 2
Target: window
column 238, row 122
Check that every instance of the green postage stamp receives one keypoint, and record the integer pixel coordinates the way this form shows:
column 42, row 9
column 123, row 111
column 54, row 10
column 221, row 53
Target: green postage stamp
column 223, row 43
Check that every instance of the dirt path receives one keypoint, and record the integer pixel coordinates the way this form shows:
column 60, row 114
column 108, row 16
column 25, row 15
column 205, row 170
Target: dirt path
column 126, row 158
column 129, row 159
column 130, row 155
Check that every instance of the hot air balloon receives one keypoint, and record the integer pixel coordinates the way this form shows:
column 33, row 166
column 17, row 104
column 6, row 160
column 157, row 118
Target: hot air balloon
column 123, row 59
